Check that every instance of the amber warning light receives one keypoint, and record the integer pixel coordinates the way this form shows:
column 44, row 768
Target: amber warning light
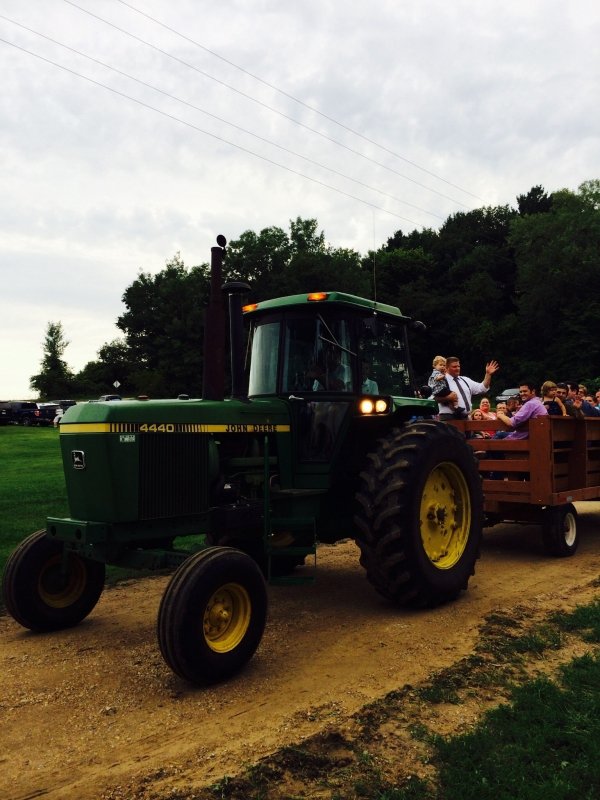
column 250, row 307
column 317, row 296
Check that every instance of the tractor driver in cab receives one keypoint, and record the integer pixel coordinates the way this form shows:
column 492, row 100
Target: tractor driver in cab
column 330, row 374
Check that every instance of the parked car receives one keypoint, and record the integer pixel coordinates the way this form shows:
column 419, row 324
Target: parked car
column 19, row 412
column 110, row 397
column 503, row 396
column 46, row 413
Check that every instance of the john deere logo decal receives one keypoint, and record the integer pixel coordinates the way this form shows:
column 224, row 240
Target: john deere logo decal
column 78, row 459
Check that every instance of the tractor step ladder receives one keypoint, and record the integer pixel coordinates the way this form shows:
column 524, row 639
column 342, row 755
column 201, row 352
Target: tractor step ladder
column 305, row 527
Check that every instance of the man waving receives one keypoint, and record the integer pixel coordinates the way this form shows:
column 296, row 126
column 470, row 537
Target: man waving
column 463, row 389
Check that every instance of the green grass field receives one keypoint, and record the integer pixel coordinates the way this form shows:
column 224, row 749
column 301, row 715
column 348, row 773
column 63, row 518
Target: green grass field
column 32, row 485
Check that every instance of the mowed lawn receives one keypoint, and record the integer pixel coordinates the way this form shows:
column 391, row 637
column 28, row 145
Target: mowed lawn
column 32, row 486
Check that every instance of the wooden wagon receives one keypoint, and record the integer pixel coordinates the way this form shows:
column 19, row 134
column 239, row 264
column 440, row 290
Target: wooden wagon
column 538, row 479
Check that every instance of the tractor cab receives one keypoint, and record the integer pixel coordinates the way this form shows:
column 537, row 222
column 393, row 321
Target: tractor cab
column 328, row 342
column 336, row 359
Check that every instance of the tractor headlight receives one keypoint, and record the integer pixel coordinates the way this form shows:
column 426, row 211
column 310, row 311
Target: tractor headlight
column 368, row 406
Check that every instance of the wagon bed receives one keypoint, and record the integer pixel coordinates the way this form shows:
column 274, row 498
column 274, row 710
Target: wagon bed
column 536, row 479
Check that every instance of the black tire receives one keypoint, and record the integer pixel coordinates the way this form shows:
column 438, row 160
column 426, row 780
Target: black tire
column 27, row 421
column 37, row 593
column 559, row 530
column 420, row 515
column 212, row 615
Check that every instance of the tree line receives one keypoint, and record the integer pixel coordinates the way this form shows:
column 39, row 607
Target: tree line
column 520, row 285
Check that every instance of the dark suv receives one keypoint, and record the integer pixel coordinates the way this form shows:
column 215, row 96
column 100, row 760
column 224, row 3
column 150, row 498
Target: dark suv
column 20, row 412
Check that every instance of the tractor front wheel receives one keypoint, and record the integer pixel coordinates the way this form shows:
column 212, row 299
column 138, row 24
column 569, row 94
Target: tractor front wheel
column 212, row 615
column 45, row 589
column 420, row 514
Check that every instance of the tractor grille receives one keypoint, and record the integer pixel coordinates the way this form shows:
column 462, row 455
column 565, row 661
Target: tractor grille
column 173, row 475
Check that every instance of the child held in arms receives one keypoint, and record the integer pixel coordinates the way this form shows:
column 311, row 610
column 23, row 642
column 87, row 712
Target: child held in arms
column 438, row 383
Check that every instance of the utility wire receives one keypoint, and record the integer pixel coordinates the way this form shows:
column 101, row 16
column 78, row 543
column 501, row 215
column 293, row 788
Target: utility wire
column 261, row 103
column 208, row 133
column 296, row 99
column 214, row 116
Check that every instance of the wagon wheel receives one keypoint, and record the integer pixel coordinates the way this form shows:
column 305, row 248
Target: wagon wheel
column 559, row 530
column 45, row 592
column 212, row 615
column 420, row 515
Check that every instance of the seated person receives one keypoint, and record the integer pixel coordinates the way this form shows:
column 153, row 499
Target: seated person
column 369, row 386
column 512, row 406
column 487, row 413
column 554, row 405
column 477, row 416
column 572, row 404
column 531, row 408
column 329, row 374
column 486, row 409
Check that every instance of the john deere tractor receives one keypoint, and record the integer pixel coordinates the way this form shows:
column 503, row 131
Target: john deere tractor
column 326, row 440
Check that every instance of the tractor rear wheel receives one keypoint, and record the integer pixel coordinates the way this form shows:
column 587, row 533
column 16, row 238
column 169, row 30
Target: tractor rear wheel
column 559, row 530
column 212, row 615
column 420, row 514
column 43, row 592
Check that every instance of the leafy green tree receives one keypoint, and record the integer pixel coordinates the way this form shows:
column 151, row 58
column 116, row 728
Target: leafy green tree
column 558, row 259
column 114, row 363
column 55, row 379
column 260, row 259
column 536, row 201
column 163, row 327
column 276, row 263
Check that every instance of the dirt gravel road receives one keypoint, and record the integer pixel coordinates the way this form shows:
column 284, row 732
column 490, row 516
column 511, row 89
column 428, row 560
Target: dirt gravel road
column 94, row 712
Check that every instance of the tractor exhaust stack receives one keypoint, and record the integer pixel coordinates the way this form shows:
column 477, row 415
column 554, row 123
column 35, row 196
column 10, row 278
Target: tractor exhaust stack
column 213, row 375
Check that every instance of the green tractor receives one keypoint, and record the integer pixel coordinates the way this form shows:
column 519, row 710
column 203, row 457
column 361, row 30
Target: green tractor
column 326, row 440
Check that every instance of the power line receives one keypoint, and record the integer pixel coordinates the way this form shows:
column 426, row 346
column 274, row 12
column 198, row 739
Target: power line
column 214, row 116
column 208, row 133
column 296, row 99
column 261, row 103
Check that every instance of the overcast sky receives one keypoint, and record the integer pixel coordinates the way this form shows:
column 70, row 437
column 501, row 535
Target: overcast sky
column 461, row 104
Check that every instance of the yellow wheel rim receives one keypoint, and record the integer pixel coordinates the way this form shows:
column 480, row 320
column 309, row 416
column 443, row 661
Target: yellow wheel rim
column 445, row 515
column 58, row 590
column 227, row 617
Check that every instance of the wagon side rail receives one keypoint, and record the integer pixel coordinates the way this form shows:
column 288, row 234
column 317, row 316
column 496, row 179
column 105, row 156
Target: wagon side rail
column 559, row 462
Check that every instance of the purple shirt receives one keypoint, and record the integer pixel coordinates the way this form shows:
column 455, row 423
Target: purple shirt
column 530, row 410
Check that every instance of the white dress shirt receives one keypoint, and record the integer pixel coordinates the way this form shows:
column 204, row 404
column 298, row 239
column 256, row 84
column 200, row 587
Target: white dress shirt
column 470, row 388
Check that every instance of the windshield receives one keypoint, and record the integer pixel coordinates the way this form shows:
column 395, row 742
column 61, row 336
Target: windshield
column 318, row 355
column 329, row 352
